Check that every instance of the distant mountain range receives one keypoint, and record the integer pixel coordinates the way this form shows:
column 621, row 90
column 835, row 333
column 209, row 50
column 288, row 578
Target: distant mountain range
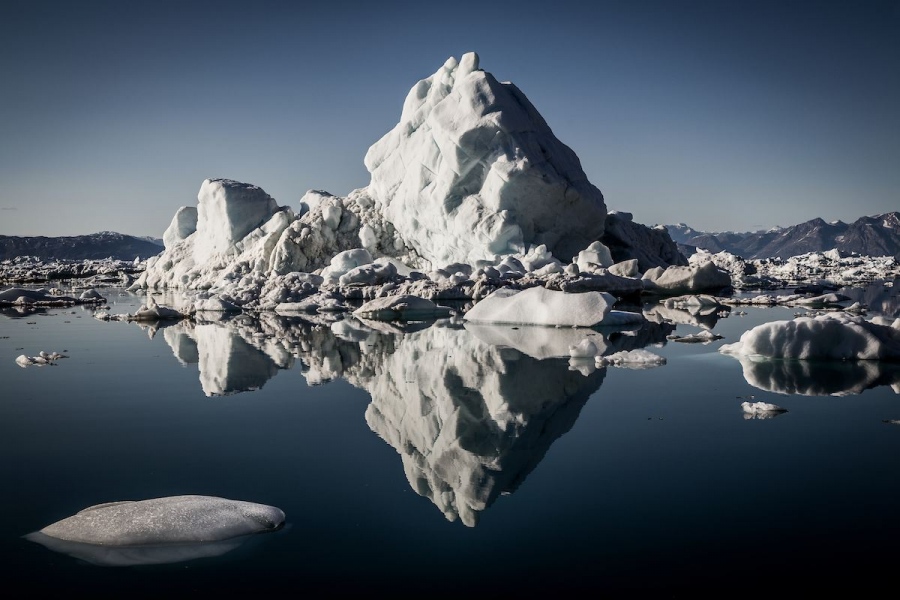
column 878, row 235
column 106, row 244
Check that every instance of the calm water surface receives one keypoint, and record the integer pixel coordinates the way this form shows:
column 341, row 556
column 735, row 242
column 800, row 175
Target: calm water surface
column 447, row 460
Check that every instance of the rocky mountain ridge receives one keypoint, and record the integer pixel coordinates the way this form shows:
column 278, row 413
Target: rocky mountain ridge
column 876, row 235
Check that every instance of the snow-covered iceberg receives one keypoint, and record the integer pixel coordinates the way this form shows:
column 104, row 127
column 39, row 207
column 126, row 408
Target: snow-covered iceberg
column 470, row 191
column 472, row 171
column 831, row 336
column 540, row 306
column 761, row 410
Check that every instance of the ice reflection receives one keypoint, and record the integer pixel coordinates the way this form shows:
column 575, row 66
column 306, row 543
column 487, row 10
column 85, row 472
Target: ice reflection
column 698, row 316
column 819, row 378
column 471, row 409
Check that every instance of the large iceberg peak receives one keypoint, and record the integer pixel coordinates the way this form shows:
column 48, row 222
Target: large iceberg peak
column 473, row 172
column 227, row 211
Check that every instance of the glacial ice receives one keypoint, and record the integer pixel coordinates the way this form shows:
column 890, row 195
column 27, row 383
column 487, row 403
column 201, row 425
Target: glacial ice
column 470, row 192
column 832, row 336
column 761, row 410
column 159, row 530
column 472, row 171
column 540, row 306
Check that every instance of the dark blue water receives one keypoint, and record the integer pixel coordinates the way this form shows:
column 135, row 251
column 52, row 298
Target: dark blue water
column 440, row 462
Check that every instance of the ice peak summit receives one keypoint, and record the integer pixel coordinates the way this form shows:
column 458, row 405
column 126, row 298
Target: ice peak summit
column 472, row 171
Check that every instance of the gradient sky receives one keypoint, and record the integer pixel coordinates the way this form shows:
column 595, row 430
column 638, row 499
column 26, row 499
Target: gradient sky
column 722, row 115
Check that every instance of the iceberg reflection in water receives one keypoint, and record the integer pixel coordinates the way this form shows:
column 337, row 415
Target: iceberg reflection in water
column 819, row 378
column 470, row 408
column 615, row 473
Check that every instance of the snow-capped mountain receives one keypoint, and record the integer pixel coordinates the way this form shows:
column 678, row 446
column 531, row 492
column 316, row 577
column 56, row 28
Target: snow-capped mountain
column 877, row 235
column 106, row 244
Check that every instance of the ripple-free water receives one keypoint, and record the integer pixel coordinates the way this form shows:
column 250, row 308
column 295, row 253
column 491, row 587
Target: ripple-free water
column 438, row 461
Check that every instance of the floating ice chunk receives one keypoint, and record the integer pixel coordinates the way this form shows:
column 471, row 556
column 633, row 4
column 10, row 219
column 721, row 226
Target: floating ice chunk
column 540, row 306
column 677, row 280
column 830, row 336
column 703, row 337
column 761, row 410
column 91, row 295
column 151, row 311
column 42, row 358
column 401, row 308
column 631, row 359
column 160, row 530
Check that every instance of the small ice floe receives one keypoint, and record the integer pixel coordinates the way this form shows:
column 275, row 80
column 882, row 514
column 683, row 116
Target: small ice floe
column 46, row 297
column 401, row 308
column 540, row 306
column 42, row 359
column 631, row 359
column 761, row 410
column 704, row 337
column 891, row 421
column 159, row 530
column 837, row 336
column 151, row 311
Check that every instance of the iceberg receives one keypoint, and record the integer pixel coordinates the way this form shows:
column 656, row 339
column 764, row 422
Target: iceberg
column 540, row 306
column 159, row 530
column 832, row 336
column 401, row 308
column 469, row 192
column 761, row 410
column 472, row 171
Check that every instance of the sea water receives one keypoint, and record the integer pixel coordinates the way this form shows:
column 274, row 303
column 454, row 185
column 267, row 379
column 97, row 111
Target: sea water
column 429, row 458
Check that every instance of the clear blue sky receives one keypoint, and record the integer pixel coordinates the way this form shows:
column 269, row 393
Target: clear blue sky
column 723, row 115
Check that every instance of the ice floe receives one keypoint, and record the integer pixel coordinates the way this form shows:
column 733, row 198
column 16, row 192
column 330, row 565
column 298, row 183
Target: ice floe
column 41, row 359
column 159, row 530
column 831, row 336
column 540, row 306
column 47, row 297
column 761, row 410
